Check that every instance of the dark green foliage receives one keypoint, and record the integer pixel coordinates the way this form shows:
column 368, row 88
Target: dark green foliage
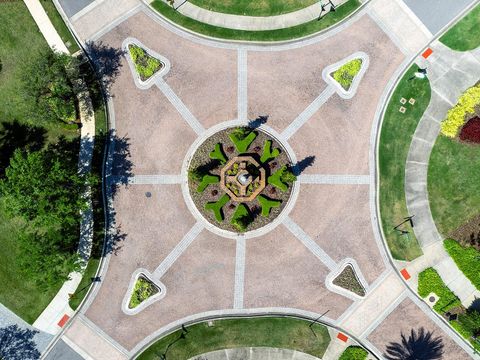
column 466, row 258
column 281, row 178
column 269, row 153
column 217, row 206
column 470, row 322
column 218, row 154
column 207, row 180
column 45, row 190
column 354, row 353
column 145, row 64
column 267, row 204
column 242, row 138
column 195, row 174
column 241, row 218
column 429, row 281
column 47, row 84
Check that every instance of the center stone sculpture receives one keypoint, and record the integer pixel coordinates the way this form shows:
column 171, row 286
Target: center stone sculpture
column 242, row 178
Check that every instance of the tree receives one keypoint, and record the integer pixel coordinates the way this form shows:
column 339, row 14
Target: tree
column 47, row 80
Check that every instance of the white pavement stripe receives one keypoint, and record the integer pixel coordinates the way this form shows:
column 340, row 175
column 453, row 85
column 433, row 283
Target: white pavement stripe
column 309, row 243
column 308, row 112
column 239, row 273
column 242, row 85
column 178, row 250
column 180, row 106
column 334, row 179
column 147, row 179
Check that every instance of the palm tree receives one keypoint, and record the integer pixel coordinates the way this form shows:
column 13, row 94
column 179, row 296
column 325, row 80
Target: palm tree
column 420, row 345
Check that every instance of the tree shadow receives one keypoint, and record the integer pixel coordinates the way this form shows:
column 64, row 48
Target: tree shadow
column 301, row 165
column 107, row 61
column 259, row 121
column 419, row 345
column 18, row 343
column 13, row 136
column 121, row 163
column 475, row 305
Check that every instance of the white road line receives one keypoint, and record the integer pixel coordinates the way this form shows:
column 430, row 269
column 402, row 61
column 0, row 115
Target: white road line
column 239, row 273
column 180, row 106
column 334, row 179
column 309, row 243
column 242, row 91
column 308, row 112
column 147, row 179
column 178, row 250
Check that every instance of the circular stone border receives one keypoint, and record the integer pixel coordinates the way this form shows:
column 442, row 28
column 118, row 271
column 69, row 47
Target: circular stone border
column 193, row 208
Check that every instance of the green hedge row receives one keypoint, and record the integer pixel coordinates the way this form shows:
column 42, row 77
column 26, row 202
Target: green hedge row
column 467, row 260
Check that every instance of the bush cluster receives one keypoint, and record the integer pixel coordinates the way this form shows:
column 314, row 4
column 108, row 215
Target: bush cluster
column 429, row 281
column 457, row 115
column 145, row 64
column 354, row 353
column 466, row 258
column 347, row 72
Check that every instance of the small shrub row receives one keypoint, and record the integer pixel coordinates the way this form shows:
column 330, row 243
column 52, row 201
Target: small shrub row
column 456, row 116
column 467, row 260
column 347, row 72
column 429, row 281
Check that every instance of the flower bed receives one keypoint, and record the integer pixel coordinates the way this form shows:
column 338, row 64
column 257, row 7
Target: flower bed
column 145, row 64
column 142, row 291
column 347, row 72
column 470, row 132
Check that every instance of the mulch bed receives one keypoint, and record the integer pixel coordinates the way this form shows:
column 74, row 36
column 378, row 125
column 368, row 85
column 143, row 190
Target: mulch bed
column 348, row 280
column 469, row 233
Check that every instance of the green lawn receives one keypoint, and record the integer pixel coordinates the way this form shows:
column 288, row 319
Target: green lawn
column 270, row 35
column 253, row 8
column 60, row 26
column 395, row 138
column 465, row 35
column 286, row 333
column 453, row 174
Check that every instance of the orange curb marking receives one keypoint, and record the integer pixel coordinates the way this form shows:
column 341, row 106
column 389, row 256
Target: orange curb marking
column 63, row 320
column 405, row 274
column 342, row 337
column 427, row 53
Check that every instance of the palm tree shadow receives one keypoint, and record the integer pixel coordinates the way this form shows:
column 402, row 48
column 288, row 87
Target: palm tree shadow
column 18, row 343
column 420, row 344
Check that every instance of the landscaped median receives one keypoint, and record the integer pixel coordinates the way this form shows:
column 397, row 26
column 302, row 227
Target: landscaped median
column 269, row 35
column 277, row 332
column 395, row 138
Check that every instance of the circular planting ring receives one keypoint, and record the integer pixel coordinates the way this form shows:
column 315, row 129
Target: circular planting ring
column 240, row 179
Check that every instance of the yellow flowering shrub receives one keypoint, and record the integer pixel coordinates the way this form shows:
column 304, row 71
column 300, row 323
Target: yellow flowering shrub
column 456, row 115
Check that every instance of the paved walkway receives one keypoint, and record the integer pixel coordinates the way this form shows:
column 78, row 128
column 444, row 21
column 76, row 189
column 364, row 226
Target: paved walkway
column 255, row 23
column 450, row 74
column 255, row 353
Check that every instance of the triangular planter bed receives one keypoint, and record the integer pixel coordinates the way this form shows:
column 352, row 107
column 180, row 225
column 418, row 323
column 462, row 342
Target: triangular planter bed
column 143, row 290
column 347, row 280
column 143, row 60
column 348, row 74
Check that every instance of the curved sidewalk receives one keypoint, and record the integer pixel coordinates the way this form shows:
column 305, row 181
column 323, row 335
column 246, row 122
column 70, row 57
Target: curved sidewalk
column 450, row 73
column 253, row 23
column 255, row 353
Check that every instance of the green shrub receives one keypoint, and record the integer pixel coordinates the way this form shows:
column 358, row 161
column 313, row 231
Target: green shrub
column 267, row 204
column 218, row 154
column 281, row 178
column 145, row 64
column 242, row 138
column 268, row 152
column 465, row 333
column 429, row 281
column 347, row 72
column 217, row 206
column 241, row 218
column 207, row 180
column 470, row 321
column 467, row 260
column 142, row 291
column 457, row 115
column 354, row 353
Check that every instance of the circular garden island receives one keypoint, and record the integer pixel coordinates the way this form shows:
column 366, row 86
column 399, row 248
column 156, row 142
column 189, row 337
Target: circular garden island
column 240, row 179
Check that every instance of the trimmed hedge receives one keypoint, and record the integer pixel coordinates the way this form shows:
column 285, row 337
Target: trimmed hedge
column 354, row 353
column 429, row 281
column 281, row 178
column 269, row 153
column 456, row 116
column 267, row 204
column 207, row 180
column 347, row 72
column 218, row 154
column 217, row 206
column 241, row 218
column 467, row 260
column 242, row 138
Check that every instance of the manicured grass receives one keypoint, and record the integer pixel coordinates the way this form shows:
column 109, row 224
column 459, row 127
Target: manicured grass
column 19, row 38
column 242, row 139
column 354, row 353
column 285, row 333
column 269, row 153
column 217, row 206
column 218, row 154
column 346, row 73
column 465, row 35
column 207, row 180
column 84, row 285
column 281, row 178
column 429, row 281
column 267, row 204
column 253, row 8
column 269, row 35
column 60, row 26
column 395, row 138
column 453, row 192
column 467, row 260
